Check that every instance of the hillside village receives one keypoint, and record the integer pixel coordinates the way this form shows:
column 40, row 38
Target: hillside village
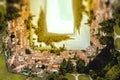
column 22, row 58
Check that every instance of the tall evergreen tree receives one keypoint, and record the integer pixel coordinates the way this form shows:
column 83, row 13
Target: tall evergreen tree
column 42, row 28
column 69, row 67
column 78, row 9
column 80, row 66
column 63, row 66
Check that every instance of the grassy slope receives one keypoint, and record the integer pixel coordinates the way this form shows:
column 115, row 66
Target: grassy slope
column 117, row 41
column 5, row 74
column 70, row 77
column 117, row 30
column 2, row 10
column 83, row 77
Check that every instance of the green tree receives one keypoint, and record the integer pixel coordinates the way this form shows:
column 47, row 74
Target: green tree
column 3, row 26
column 118, row 59
column 27, row 51
column 107, row 24
column 43, row 66
column 29, row 27
column 53, row 76
column 93, row 74
column 69, row 66
column 80, row 66
column 12, row 13
column 12, row 35
column 100, row 78
column 106, row 40
column 64, row 79
column 116, row 13
column 28, row 22
column 63, row 66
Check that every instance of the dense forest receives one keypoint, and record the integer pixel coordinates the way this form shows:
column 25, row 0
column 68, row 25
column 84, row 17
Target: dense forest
column 106, row 65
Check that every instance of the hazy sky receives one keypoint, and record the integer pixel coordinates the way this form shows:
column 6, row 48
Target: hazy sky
column 59, row 14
